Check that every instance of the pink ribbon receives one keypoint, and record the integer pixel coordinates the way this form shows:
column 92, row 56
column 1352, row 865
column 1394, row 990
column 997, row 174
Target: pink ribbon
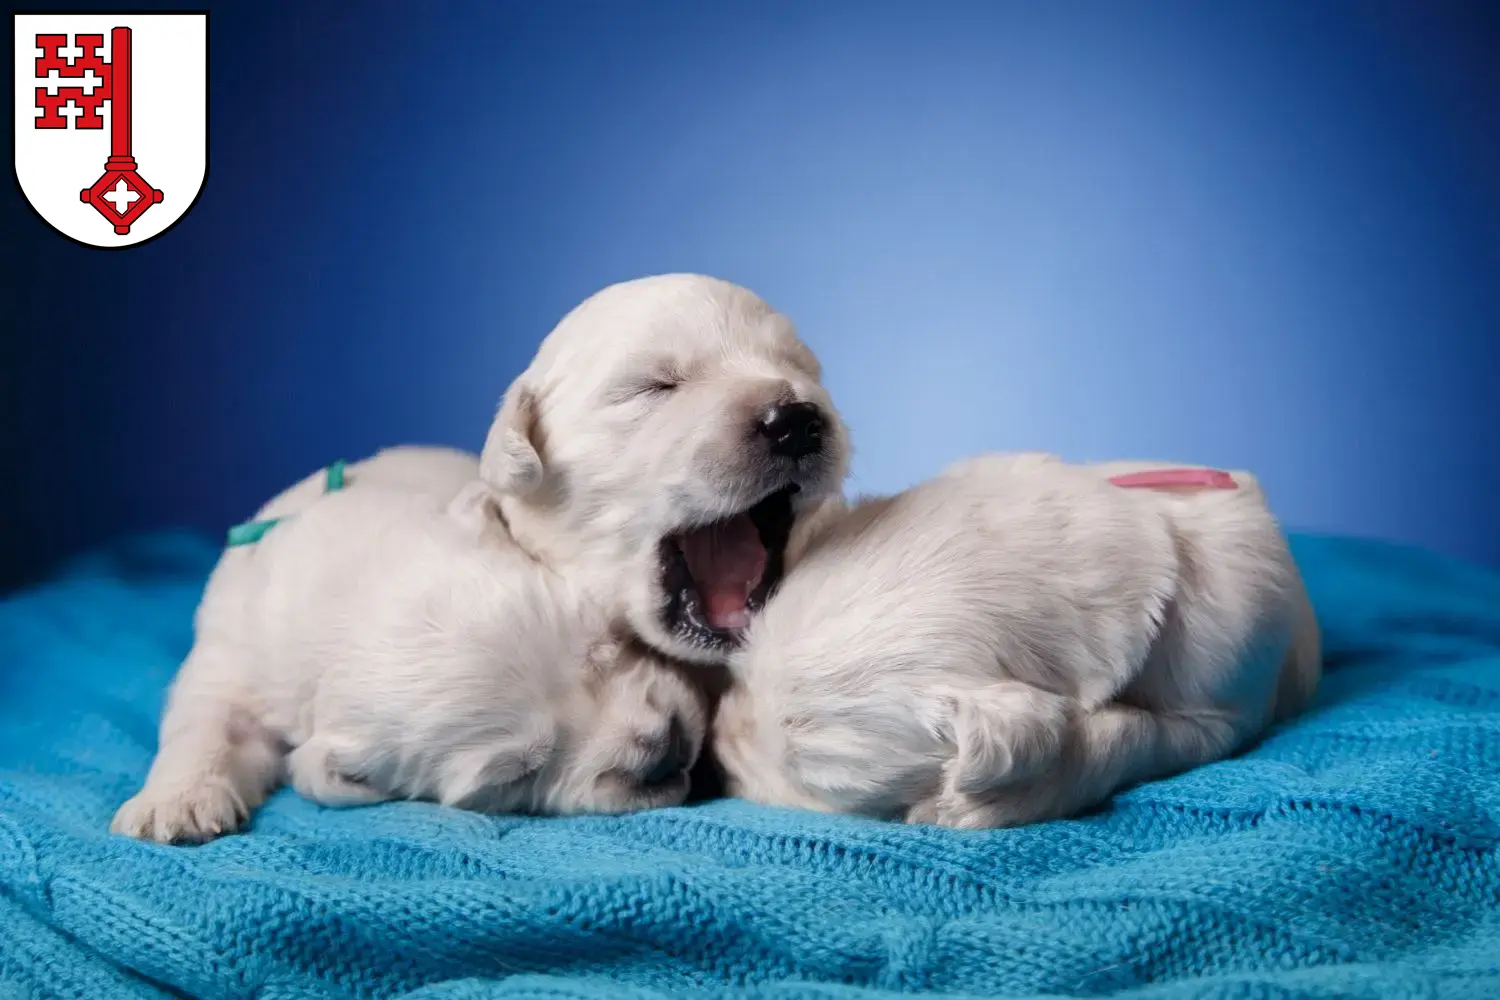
column 1185, row 480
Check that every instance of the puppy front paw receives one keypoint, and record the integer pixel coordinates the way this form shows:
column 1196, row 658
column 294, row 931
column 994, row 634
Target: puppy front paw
column 182, row 815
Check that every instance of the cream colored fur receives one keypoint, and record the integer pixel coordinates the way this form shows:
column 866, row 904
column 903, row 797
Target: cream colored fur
column 391, row 641
column 1014, row 641
column 637, row 420
column 432, row 634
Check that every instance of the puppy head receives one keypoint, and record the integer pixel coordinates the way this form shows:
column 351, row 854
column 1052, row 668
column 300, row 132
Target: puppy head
column 634, row 732
column 661, row 446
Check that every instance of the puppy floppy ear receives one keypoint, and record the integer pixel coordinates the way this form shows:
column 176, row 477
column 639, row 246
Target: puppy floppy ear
column 510, row 463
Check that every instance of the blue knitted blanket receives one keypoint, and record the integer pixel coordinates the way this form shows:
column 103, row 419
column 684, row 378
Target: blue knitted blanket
column 1353, row 854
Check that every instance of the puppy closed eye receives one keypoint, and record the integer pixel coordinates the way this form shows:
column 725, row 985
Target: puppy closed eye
column 661, row 382
column 657, row 386
column 645, row 390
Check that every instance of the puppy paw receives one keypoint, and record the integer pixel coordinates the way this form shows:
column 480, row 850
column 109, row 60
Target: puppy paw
column 190, row 815
column 962, row 811
column 924, row 813
column 314, row 771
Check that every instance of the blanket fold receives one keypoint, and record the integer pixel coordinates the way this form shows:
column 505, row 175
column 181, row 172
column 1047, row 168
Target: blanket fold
column 1351, row 854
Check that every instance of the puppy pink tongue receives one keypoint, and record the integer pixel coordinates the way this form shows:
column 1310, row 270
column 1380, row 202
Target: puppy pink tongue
column 727, row 561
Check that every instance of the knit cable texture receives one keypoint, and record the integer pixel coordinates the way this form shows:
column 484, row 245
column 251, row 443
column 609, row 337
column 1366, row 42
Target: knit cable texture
column 1352, row 854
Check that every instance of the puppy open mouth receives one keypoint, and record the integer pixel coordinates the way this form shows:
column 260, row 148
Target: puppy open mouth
column 717, row 576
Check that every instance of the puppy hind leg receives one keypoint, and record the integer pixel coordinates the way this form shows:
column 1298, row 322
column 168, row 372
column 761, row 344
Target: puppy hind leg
column 480, row 778
column 1103, row 752
column 215, row 762
column 316, row 771
column 1119, row 746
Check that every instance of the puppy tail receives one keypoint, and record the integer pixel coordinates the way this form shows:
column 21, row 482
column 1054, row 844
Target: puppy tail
column 1120, row 746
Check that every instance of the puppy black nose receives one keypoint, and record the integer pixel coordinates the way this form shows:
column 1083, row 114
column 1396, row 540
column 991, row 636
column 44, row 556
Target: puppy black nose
column 674, row 759
column 794, row 430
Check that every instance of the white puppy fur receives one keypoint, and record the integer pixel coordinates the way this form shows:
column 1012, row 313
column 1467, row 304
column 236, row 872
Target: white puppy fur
column 1014, row 641
column 645, row 469
column 657, row 450
column 390, row 640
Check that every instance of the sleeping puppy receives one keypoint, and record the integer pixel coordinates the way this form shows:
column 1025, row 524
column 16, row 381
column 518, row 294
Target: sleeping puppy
column 1014, row 641
column 654, row 455
column 388, row 639
column 658, row 450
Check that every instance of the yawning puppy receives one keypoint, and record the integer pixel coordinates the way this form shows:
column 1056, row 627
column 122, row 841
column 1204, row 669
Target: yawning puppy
column 385, row 638
column 658, row 450
column 1013, row 641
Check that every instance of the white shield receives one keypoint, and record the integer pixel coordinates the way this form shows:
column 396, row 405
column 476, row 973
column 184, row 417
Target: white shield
column 111, row 121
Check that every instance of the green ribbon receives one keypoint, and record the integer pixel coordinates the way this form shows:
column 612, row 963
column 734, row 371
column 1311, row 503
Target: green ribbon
column 251, row 532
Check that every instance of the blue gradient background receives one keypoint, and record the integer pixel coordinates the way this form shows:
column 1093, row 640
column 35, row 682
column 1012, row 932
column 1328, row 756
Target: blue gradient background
column 1258, row 234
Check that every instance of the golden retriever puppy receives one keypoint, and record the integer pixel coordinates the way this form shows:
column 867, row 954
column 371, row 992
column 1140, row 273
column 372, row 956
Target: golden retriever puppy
column 1014, row 641
column 385, row 638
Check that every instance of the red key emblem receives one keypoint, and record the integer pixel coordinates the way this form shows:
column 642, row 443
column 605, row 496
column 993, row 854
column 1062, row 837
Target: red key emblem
column 121, row 195
column 139, row 77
